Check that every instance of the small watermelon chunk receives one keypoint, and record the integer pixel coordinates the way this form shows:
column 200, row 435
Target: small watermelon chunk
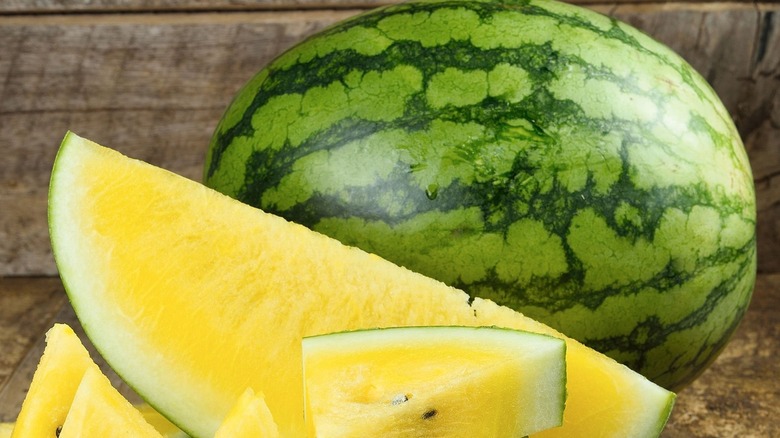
column 54, row 384
column 249, row 417
column 99, row 410
column 433, row 381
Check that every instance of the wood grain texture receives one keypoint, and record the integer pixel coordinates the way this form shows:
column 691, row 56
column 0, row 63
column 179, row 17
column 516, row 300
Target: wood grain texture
column 738, row 396
column 154, row 85
column 81, row 6
column 27, row 310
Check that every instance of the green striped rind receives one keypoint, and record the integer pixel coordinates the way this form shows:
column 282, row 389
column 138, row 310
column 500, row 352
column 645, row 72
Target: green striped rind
column 534, row 153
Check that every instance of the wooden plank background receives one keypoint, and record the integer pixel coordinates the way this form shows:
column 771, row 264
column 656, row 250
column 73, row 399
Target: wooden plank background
column 152, row 77
column 68, row 6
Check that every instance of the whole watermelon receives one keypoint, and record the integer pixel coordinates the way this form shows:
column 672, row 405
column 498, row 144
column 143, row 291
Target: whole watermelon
column 535, row 153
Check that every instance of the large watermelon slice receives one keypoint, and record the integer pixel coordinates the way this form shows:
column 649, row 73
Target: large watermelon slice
column 193, row 297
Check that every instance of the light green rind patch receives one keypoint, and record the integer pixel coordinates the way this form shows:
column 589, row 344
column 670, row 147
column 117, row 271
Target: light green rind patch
column 691, row 237
column 661, row 167
column 611, row 313
column 515, row 257
column 513, row 29
column 610, row 260
column 378, row 96
column 320, row 107
column 673, row 125
column 531, row 251
column 456, row 236
column 457, row 87
column 605, row 99
column 442, row 154
column 441, row 25
column 628, row 215
column 436, row 157
column 363, row 40
column 728, row 178
column 675, row 159
column 509, row 83
column 579, row 15
column 318, row 172
column 272, row 121
column 382, row 96
column 670, row 334
column 492, row 162
column 737, row 232
column 654, row 303
column 232, row 175
column 594, row 156
column 282, row 198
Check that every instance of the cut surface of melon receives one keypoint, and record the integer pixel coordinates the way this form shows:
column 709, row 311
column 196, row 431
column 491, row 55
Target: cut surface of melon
column 99, row 410
column 54, row 384
column 192, row 297
column 249, row 417
column 433, row 382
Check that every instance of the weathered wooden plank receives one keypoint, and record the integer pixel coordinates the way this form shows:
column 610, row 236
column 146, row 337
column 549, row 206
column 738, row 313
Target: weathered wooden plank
column 154, row 85
column 69, row 6
column 80, row 6
column 739, row 395
column 150, row 86
column 27, row 309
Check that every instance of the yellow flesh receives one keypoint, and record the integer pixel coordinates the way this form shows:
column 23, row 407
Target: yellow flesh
column 6, row 429
column 433, row 382
column 54, row 384
column 195, row 297
column 99, row 410
column 248, row 418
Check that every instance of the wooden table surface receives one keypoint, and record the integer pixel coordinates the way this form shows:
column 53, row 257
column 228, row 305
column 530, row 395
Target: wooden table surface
column 152, row 77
